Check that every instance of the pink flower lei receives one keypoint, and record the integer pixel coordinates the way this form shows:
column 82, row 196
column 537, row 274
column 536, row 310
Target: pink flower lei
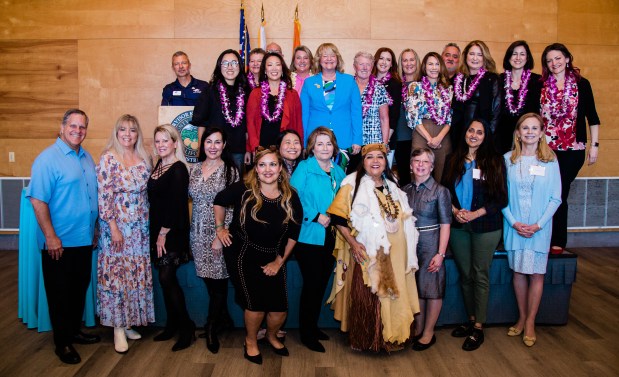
column 438, row 111
column 459, row 83
column 369, row 95
column 522, row 92
column 386, row 78
column 559, row 110
column 252, row 80
column 240, row 105
column 264, row 101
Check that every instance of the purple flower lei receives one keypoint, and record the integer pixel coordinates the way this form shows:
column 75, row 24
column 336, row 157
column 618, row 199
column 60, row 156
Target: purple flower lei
column 458, row 85
column 251, row 78
column 386, row 78
column 560, row 110
column 264, row 100
column 438, row 112
column 369, row 95
column 522, row 92
column 240, row 105
column 404, row 92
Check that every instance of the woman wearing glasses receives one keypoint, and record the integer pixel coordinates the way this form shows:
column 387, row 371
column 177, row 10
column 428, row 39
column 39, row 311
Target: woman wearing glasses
column 223, row 105
column 274, row 106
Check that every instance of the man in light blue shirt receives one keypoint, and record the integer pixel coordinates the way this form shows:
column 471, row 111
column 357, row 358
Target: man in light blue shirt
column 63, row 192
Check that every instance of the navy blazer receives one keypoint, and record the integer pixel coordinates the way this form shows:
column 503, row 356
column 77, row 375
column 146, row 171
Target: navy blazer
column 344, row 119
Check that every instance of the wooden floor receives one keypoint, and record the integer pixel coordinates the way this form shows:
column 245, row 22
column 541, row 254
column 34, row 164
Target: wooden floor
column 587, row 346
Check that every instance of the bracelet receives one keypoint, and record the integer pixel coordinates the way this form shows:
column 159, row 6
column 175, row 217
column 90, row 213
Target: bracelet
column 442, row 255
column 163, row 234
column 219, row 225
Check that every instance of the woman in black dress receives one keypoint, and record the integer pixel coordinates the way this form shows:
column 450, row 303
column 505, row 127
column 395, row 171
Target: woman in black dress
column 476, row 91
column 169, row 230
column 520, row 92
column 265, row 227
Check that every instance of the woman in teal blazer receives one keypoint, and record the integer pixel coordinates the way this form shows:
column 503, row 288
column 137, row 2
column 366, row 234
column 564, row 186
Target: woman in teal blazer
column 316, row 179
column 331, row 99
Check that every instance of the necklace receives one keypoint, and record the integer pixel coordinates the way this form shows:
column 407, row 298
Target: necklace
column 560, row 110
column 459, row 85
column 389, row 209
column 225, row 102
column 438, row 106
column 264, row 100
column 369, row 95
column 252, row 80
column 522, row 91
column 207, row 169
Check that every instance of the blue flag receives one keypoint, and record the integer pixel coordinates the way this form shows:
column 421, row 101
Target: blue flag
column 244, row 46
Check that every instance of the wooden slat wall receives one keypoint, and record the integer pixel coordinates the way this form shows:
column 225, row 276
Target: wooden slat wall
column 113, row 57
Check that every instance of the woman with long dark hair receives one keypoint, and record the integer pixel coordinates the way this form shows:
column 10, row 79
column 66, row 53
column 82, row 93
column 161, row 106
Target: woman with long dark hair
column 567, row 105
column 386, row 72
column 213, row 172
column 274, row 106
column 224, row 104
column 475, row 177
column 520, row 92
column 264, row 229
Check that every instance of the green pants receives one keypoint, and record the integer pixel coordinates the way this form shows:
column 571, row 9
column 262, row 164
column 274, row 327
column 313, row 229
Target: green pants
column 473, row 255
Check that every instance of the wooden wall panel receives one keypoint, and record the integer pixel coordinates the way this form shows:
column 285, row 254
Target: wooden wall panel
column 592, row 22
column 38, row 82
column 74, row 19
column 444, row 20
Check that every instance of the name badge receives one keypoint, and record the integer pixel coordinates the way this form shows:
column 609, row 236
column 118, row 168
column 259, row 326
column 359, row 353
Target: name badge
column 537, row 170
column 476, row 174
column 176, row 93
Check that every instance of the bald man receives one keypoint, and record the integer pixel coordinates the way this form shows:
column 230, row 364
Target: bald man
column 274, row 47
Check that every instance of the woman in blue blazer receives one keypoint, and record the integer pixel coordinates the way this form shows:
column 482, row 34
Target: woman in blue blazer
column 316, row 179
column 331, row 99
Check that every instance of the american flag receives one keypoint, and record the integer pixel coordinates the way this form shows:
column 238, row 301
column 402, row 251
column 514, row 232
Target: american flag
column 244, row 46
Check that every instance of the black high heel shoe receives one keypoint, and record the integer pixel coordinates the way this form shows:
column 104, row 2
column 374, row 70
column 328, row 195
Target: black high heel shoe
column 256, row 359
column 212, row 342
column 280, row 351
column 186, row 337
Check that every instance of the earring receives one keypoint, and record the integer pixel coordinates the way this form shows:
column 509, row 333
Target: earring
column 279, row 179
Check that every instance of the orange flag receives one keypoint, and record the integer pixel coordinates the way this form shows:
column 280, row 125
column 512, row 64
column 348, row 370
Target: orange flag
column 296, row 40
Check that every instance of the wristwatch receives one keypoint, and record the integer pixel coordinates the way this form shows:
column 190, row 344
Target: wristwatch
column 596, row 144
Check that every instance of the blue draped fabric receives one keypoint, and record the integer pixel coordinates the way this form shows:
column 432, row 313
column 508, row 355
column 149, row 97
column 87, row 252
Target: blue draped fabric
column 32, row 301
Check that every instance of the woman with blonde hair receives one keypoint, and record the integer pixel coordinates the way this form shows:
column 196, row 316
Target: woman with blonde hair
column 324, row 105
column 301, row 67
column 169, row 230
column 534, row 191
column 124, row 277
column 402, row 137
column 265, row 226
column 476, row 91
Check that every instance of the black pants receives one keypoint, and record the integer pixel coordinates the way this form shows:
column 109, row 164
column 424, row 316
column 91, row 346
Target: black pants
column 66, row 282
column 570, row 163
column 316, row 265
column 402, row 157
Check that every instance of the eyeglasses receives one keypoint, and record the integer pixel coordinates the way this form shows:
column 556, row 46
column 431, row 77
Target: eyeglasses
column 226, row 64
column 421, row 162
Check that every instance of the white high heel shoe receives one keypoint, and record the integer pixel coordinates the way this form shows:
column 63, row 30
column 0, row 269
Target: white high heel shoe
column 120, row 340
column 132, row 334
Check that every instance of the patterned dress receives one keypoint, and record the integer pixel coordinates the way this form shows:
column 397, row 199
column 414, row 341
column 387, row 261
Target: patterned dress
column 208, row 263
column 124, row 278
column 372, row 131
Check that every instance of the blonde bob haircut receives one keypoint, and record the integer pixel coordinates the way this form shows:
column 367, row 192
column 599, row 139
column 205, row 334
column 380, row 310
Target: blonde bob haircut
column 544, row 153
column 326, row 47
column 171, row 132
column 322, row 130
column 417, row 67
column 489, row 64
column 113, row 145
column 253, row 189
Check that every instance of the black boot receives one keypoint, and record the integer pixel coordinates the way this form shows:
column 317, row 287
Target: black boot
column 186, row 337
column 212, row 342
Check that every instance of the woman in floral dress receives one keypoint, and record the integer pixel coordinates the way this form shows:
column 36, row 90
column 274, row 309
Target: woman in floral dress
column 214, row 172
column 429, row 110
column 124, row 283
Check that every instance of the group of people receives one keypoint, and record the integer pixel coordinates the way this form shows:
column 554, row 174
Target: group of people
column 478, row 157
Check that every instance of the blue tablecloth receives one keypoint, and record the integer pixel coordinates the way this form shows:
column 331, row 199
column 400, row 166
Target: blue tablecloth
column 32, row 306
